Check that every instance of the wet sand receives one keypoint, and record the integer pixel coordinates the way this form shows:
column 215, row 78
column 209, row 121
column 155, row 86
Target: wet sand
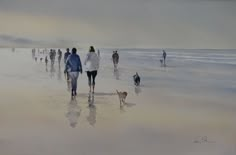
column 175, row 114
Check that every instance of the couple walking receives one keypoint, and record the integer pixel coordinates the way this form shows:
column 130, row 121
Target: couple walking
column 73, row 67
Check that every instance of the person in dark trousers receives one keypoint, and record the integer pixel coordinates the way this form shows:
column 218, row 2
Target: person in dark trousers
column 59, row 56
column 91, row 64
column 66, row 55
column 115, row 58
column 51, row 56
column 73, row 66
column 164, row 57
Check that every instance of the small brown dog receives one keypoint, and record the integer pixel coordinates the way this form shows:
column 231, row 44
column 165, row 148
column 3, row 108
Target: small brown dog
column 122, row 96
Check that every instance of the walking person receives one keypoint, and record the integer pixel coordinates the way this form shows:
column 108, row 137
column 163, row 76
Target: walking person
column 115, row 58
column 66, row 55
column 164, row 57
column 59, row 56
column 51, row 56
column 91, row 66
column 73, row 66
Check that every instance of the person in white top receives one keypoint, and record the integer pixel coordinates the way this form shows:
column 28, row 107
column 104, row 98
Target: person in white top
column 91, row 67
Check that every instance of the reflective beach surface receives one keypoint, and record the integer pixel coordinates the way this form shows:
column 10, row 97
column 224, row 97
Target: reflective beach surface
column 185, row 108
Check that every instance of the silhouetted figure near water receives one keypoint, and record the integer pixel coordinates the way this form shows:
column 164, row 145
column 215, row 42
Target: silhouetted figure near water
column 59, row 53
column 33, row 53
column 115, row 58
column 137, row 79
column 66, row 55
column 46, row 60
column 51, row 57
column 164, row 57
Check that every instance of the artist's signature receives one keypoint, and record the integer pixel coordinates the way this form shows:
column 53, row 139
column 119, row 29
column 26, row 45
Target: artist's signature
column 202, row 139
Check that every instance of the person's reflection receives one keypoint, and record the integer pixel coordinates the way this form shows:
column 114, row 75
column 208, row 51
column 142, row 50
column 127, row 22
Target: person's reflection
column 116, row 74
column 73, row 113
column 137, row 90
column 59, row 73
column 52, row 70
column 91, row 118
column 46, row 67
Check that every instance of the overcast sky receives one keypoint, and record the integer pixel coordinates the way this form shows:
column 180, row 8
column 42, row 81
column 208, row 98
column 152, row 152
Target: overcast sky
column 119, row 23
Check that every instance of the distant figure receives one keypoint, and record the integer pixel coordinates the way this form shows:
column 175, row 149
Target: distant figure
column 73, row 66
column 115, row 58
column 164, row 57
column 54, row 54
column 59, row 53
column 46, row 60
column 51, row 56
column 66, row 55
column 136, row 78
column 92, row 65
column 33, row 53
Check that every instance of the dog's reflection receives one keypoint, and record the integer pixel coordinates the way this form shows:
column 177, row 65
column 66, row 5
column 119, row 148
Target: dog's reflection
column 91, row 118
column 116, row 73
column 73, row 113
column 126, row 105
column 122, row 108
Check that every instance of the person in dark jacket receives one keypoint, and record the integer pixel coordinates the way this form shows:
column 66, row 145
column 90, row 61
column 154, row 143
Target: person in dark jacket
column 164, row 57
column 73, row 66
column 115, row 58
column 66, row 55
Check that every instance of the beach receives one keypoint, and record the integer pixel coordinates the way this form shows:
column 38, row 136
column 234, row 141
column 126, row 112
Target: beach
column 185, row 108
